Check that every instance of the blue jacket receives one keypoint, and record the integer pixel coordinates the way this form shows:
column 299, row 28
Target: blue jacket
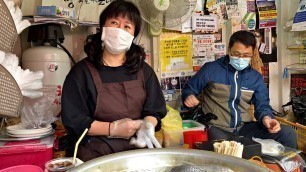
column 228, row 93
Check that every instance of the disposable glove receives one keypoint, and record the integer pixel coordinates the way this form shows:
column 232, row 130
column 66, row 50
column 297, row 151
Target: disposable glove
column 124, row 128
column 145, row 136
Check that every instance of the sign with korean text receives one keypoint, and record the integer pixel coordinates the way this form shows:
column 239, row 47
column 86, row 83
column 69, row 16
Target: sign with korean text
column 205, row 23
column 175, row 54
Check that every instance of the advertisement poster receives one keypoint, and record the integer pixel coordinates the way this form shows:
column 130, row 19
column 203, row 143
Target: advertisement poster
column 267, row 13
column 173, row 86
column 218, row 7
column 219, row 50
column 207, row 56
column 201, row 43
column 205, row 23
column 198, row 62
column 232, row 8
column 248, row 14
column 175, row 54
column 299, row 21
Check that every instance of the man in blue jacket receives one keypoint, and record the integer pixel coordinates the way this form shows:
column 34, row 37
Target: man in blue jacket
column 229, row 86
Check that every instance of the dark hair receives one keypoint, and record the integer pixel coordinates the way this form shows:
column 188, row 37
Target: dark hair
column 135, row 56
column 245, row 37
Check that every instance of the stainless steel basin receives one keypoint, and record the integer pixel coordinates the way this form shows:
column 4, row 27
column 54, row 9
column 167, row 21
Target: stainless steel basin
column 164, row 160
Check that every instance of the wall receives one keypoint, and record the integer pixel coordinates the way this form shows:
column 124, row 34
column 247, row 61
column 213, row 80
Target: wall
column 279, row 88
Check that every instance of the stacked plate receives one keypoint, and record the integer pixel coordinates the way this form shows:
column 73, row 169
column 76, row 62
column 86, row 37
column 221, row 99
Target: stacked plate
column 20, row 131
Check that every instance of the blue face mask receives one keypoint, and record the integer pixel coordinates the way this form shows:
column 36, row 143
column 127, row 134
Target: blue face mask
column 239, row 63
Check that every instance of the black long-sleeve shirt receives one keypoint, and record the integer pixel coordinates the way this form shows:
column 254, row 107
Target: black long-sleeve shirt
column 79, row 95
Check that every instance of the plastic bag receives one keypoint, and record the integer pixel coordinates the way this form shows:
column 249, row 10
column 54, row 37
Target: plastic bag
column 39, row 112
column 270, row 147
column 292, row 162
column 172, row 127
column 172, row 121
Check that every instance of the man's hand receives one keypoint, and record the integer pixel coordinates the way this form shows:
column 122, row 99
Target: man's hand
column 191, row 101
column 272, row 125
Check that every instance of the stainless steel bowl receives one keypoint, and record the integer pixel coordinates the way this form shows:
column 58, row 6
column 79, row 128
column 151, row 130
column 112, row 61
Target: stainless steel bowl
column 164, row 160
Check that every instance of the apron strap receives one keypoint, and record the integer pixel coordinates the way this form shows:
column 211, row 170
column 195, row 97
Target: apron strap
column 95, row 76
column 141, row 77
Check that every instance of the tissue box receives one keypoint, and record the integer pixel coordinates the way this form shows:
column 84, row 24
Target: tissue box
column 56, row 11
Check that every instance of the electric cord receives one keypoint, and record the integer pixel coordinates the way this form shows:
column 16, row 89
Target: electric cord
column 68, row 53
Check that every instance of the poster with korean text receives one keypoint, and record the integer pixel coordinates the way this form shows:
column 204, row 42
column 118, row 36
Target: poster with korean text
column 203, row 50
column 175, row 54
column 204, row 23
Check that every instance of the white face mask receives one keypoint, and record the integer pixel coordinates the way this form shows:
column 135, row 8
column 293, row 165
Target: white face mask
column 116, row 40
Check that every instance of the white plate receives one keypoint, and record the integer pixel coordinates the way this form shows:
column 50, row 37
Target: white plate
column 29, row 135
column 6, row 138
column 19, row 129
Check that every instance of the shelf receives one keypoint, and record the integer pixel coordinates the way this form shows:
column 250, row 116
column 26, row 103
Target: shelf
column 304, row 89
column 296, row 47
column 38, row 20
column 297, row 67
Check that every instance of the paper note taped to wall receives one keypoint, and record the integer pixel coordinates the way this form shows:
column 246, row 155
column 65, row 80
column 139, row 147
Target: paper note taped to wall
column 86, row 10
column 299, row 22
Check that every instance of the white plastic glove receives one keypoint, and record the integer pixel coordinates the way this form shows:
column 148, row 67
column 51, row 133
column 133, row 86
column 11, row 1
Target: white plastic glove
column 145, row 136
column 124, row 128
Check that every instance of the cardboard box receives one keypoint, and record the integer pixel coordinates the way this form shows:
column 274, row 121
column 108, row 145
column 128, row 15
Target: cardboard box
column 56, row 11
column 28, row 7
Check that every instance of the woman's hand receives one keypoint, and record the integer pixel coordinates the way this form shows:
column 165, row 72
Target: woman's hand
column 124, row 128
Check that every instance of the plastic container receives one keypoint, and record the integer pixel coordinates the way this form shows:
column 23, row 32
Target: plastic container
column 59, row 164
column 23, row 168
column 191, row 137
column 31, row 152
column 54, row 62
column 190, row 125
column 173, row 138
column 176, row 138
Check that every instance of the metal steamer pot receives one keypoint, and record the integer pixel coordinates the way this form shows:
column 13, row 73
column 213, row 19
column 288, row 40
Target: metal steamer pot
column 167, row 160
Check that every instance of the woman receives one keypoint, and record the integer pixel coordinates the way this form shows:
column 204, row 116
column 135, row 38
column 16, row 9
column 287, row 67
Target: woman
column 112, row 92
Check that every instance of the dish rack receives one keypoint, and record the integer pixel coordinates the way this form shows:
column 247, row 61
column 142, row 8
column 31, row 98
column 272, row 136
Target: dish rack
column 10, row 93
column 8, row 32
